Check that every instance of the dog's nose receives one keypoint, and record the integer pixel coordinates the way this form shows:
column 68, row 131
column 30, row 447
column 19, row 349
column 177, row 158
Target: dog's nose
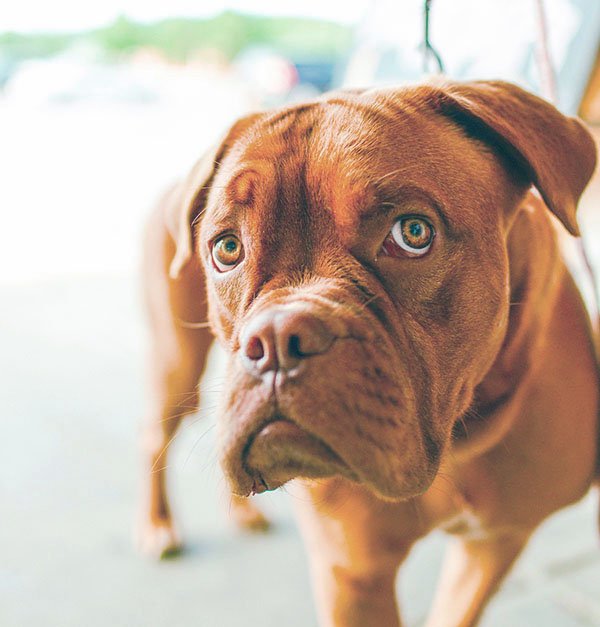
column 280, row 340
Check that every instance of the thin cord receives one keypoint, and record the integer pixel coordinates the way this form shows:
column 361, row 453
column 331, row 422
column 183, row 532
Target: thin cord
column 428, row 49
column 550, row 91
column 544, row 58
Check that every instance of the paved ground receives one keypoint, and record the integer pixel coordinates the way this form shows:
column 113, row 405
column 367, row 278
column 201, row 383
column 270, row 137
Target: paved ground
column 71, row 397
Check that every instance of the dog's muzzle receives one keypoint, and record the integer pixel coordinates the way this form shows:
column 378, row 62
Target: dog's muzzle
column 316, row 390
column 279, row 342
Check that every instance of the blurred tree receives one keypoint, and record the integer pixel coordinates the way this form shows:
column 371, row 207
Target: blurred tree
column 179, row 38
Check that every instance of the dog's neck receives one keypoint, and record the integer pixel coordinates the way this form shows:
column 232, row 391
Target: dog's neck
column 537, row 272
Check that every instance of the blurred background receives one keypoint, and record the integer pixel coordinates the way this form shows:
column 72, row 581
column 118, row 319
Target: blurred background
column 102, row 105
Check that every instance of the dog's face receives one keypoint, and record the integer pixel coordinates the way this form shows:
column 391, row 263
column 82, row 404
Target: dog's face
column 357, row 271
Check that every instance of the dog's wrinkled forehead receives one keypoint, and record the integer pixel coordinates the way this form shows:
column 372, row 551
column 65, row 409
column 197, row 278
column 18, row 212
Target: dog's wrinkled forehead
column 336, row 161
column 298, row 162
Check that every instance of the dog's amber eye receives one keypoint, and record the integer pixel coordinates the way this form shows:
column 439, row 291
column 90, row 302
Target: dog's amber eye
column 411, row 236
column 227, row 252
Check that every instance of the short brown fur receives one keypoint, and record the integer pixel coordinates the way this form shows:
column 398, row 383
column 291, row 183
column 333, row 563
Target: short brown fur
column 455, row 390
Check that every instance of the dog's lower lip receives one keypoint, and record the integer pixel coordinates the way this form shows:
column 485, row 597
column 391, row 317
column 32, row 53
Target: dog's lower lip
column 258, row 486
column 281, row 450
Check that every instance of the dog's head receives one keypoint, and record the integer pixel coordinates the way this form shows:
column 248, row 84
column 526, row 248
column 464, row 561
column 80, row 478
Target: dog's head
column 355, row 249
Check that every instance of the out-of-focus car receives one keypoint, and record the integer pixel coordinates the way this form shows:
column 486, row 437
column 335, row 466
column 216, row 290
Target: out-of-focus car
column 319, row 73
column 276, row 79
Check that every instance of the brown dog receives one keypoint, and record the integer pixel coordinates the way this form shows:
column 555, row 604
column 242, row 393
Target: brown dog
column 399, row 323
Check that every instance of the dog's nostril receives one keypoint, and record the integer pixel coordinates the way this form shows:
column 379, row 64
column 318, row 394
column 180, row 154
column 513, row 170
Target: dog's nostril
column 255, row 349
column 300, row 336
column 294, row 348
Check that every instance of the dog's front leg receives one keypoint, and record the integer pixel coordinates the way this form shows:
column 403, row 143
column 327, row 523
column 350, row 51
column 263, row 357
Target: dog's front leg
column 177, row 313
column 356, row 543
column 176, row 361
column 473, row 569
column 350, row 596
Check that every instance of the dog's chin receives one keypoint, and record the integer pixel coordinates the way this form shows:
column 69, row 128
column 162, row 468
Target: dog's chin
column 280, row 451
column 408, row 486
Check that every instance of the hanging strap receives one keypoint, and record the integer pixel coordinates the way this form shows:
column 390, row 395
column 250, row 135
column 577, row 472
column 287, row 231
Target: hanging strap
column 544, row 59
column 428, row 50
column 550, row 91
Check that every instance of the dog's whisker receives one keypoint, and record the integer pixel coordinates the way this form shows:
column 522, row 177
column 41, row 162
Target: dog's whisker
column 403, row 170
column 185, row 411
column 197, row 218
column 163, row 451
column 370, row 300
column 183, row 395
column 211, row 461
column 450, row 488
column 196, row 444
column 153, row 471
column 193, row 325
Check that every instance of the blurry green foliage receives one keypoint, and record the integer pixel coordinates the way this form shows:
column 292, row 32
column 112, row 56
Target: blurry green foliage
column 179, row 38
column 20, row 46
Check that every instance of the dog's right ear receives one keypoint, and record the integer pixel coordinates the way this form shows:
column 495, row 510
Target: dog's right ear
column 191, row 194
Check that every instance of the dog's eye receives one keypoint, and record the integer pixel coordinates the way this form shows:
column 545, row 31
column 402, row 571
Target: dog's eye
column 411, row 236
column 227, row 252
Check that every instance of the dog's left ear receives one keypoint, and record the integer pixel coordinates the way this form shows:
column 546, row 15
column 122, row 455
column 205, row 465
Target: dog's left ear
column 556, row 152
column 190, row 196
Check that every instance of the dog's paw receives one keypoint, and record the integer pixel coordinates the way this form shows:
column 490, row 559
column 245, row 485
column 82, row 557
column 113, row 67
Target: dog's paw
column 247, row 516
column 158, row 540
